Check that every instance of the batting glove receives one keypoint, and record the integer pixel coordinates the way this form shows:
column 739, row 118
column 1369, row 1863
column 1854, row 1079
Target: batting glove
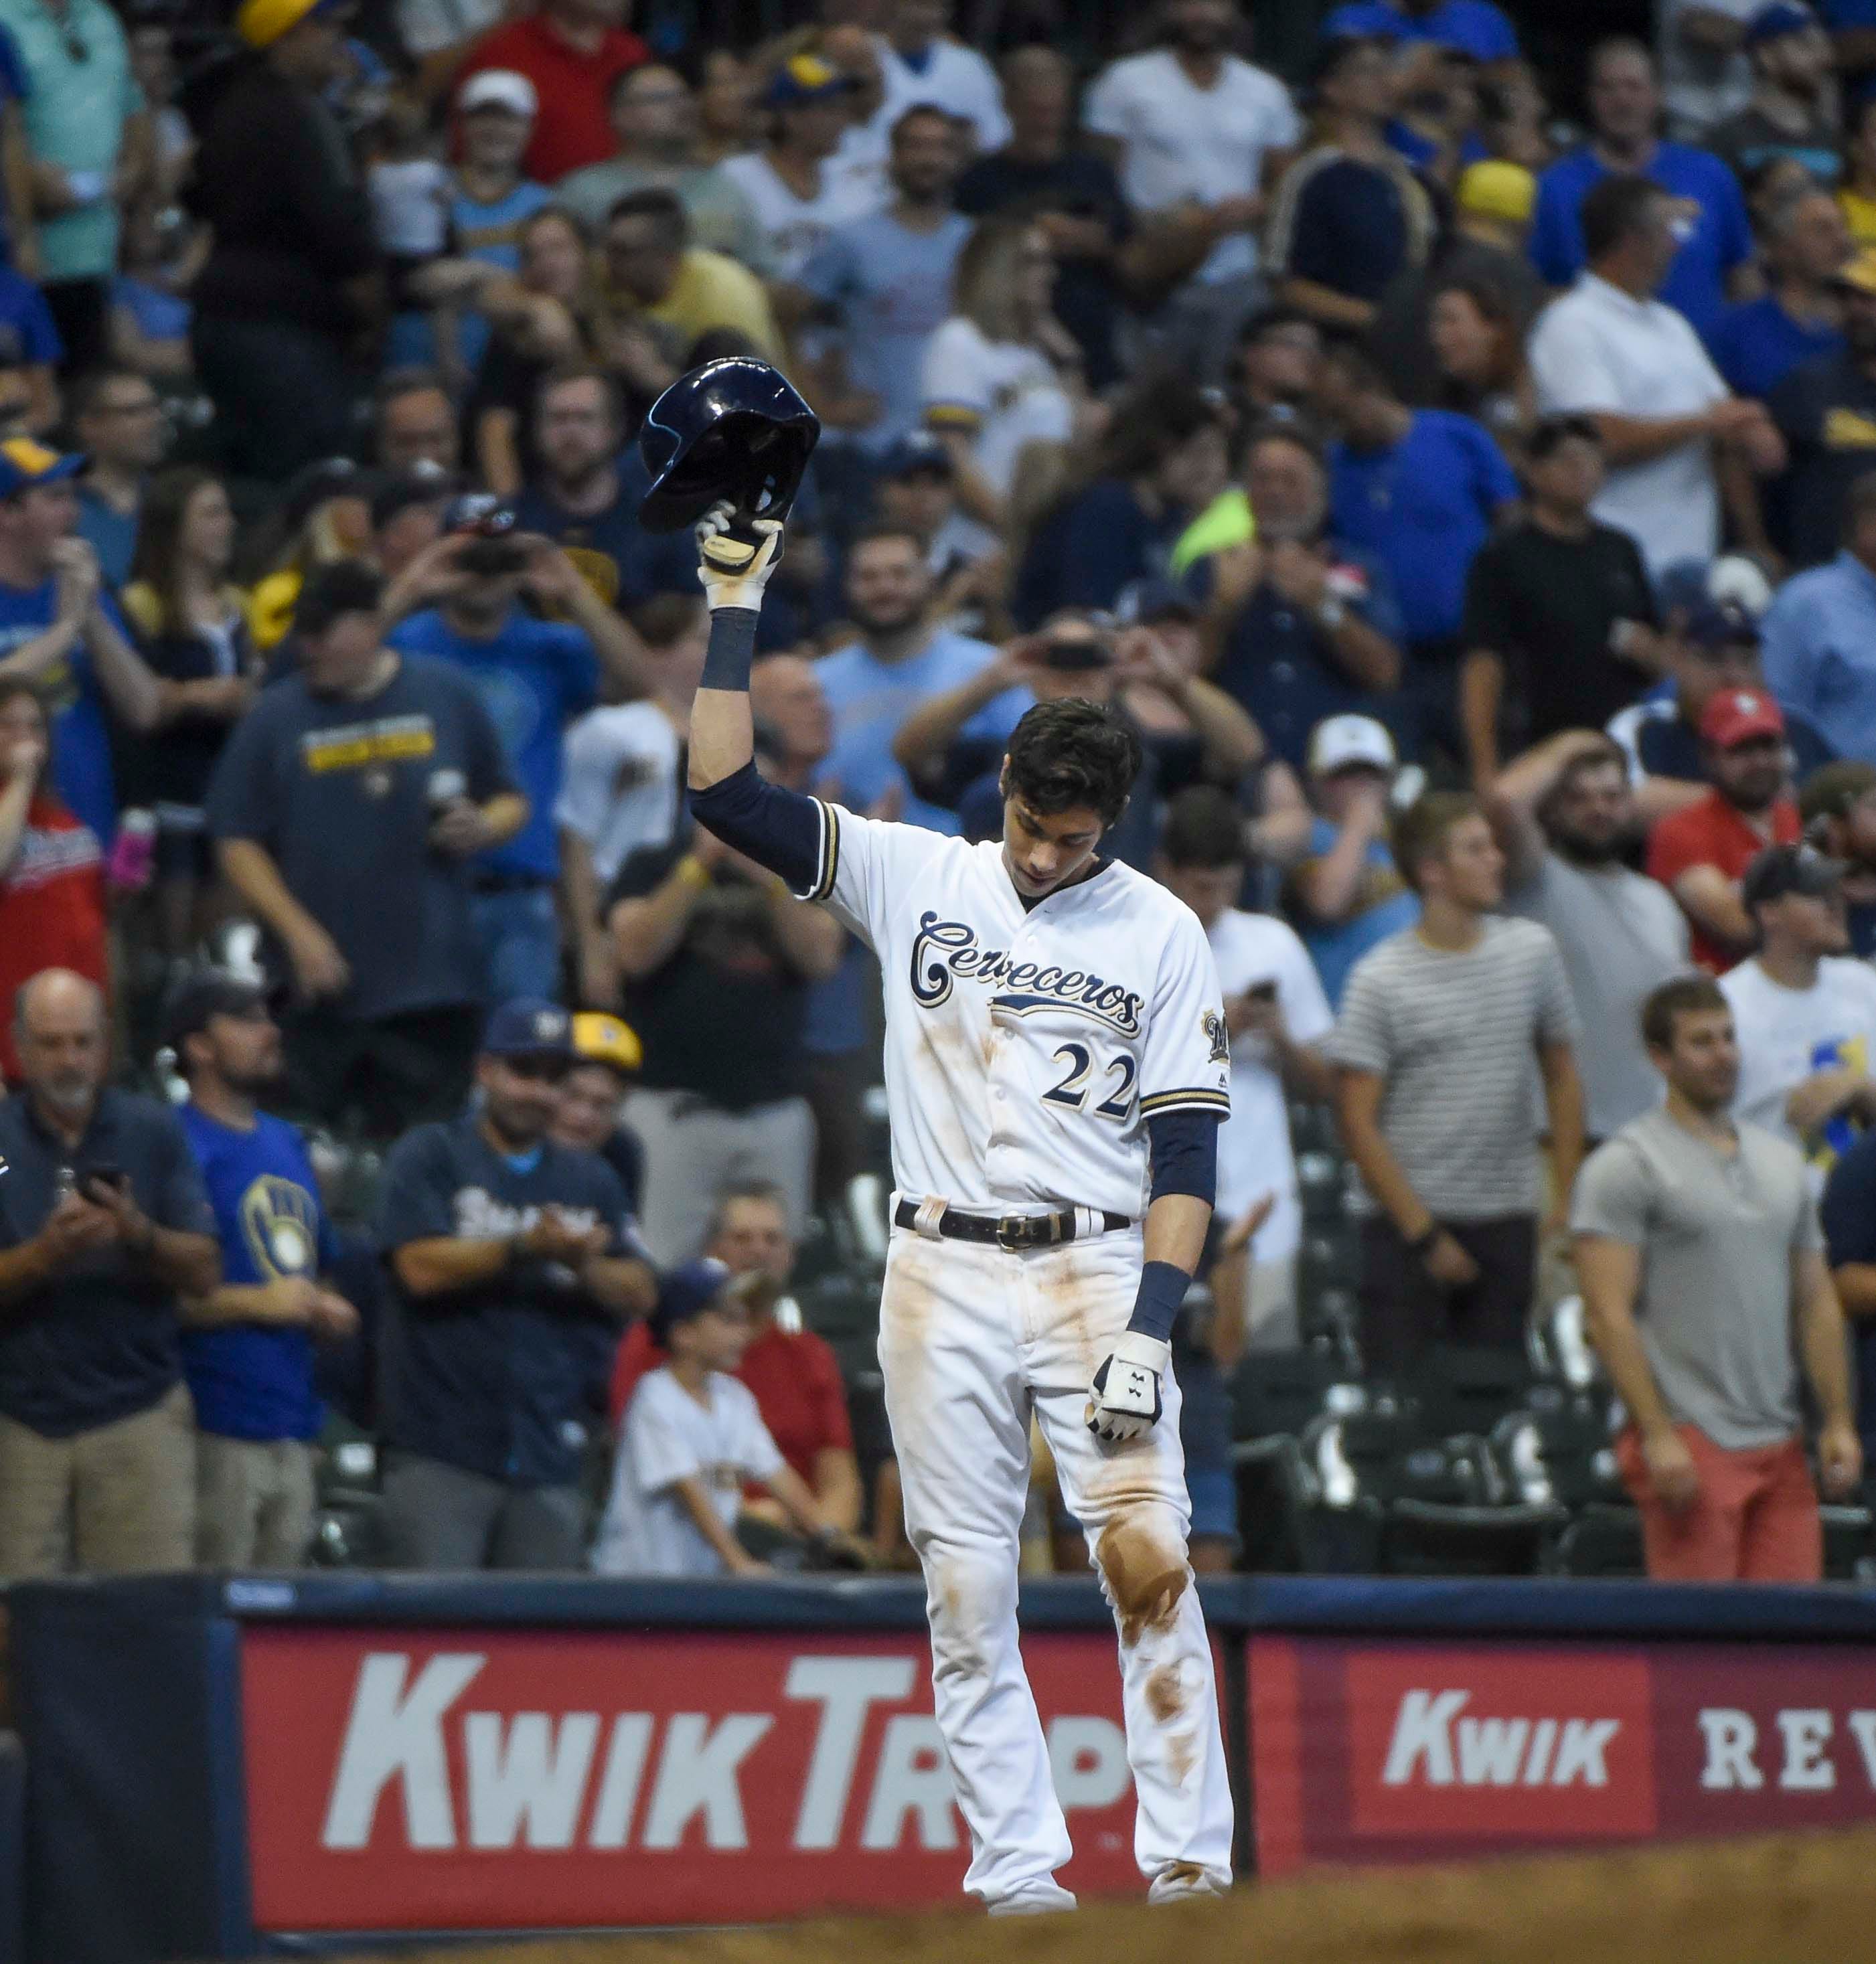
column 736, row 558
column 1124, row 1399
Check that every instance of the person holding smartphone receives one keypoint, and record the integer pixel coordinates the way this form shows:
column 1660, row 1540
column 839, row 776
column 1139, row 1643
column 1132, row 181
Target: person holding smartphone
column 103, row 1224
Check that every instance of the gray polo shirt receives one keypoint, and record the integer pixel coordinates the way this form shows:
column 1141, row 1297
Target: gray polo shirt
column 1453, row 1035
column 1716, row 1235
column 1621, row 936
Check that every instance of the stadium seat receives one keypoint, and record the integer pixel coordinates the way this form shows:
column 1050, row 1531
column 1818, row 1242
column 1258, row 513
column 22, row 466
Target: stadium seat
column 1849, row 1551
column 1467, row 1388
column 1281, row 1390
column 1561, row 1454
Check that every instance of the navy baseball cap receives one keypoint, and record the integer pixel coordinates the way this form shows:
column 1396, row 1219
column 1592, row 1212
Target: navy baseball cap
column 1777, row 19
column 917, row 451
column 1714, row 625
column 687, row 1290
column 806, row 77
column 528, row 1026
column 1780, row 870
column 198, row 997
column 24, row 463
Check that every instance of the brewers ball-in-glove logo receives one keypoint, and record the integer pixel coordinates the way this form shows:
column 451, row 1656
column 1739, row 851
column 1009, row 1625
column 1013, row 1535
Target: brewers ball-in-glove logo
column 281, row 1221
column 1214, row 1027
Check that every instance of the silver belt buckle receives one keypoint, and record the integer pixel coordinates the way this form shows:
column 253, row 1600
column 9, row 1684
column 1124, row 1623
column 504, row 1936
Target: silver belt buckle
column 1009, row 1233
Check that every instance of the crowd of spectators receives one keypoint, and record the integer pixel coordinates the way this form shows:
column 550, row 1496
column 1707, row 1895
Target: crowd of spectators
column 1468, row 495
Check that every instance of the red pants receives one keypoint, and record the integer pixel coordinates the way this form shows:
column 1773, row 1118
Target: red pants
column 1754, row 1520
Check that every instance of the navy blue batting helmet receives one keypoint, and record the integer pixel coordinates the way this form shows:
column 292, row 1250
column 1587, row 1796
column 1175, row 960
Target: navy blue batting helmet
column 735, row 428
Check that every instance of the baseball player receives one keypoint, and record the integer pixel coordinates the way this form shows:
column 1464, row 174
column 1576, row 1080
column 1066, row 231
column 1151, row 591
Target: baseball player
column 1056, row 1066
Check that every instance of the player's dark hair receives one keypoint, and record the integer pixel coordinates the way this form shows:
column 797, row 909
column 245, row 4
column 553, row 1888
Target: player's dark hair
column 1422, row 831
column 1618, row 206
column 1204, row 828
column 1072, row 754
column 1685, row 995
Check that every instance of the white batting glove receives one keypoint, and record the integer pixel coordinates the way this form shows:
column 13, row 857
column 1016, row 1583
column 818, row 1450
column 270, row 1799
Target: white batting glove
column 734, row 572
column 1124, row 1399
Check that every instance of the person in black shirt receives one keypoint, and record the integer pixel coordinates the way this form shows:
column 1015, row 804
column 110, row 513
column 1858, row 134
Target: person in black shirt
column 1825, row 411
column 287, row 286
column 516, row 1265
column 1074, row 194
column 717, row 957
column 1560, row 627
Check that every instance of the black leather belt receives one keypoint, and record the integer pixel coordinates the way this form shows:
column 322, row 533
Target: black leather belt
column 1013, row 1231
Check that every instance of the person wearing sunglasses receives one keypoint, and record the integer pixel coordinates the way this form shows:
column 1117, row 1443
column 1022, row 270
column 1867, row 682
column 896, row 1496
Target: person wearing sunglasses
column 516, row 1264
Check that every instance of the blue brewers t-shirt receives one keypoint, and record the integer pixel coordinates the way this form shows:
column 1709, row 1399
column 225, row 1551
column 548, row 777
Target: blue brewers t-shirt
column 534, row 678
column 254, row 1380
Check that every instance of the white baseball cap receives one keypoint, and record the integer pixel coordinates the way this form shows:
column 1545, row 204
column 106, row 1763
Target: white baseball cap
column 499, row 88
column 1339, row 741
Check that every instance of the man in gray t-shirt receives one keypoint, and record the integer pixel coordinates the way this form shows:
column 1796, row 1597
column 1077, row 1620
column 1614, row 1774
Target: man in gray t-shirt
column 1440, row 1027
column 1703, row 1271
column 1564, row 812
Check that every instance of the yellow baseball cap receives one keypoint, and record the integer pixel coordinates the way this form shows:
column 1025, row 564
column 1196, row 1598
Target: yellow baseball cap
column 1859, row 271
column 260, row 23
column 598, row 1038
column 1496, row 189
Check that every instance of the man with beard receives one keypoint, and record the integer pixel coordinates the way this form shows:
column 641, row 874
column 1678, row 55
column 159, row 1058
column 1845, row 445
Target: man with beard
column 587, row 495
column 247, row 1345
column 1564, row 818
column 1794, row 111
column 1704, row 1274
column 103, row 1225
column 1298, row 626
column 900, row 660
column 1825, row 411
column 533, row 677
column 1700, row 853
column 515, row 1266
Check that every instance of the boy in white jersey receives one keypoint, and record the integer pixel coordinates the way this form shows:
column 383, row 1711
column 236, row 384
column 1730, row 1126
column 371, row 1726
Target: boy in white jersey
column 1057, row 1063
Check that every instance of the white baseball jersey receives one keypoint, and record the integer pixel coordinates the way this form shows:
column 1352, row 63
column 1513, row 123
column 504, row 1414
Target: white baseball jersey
column 665, row 1436
column 1026, row 1048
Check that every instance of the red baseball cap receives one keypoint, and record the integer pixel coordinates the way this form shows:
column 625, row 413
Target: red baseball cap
column 1736, row 716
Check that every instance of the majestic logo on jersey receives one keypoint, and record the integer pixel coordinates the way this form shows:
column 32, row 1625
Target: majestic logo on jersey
column 1213, row 1023
column 948, row 951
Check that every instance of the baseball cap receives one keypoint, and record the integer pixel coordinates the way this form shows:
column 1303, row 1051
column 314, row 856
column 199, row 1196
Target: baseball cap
column 498, row 88
column 1858, row 271
column 1716, row 623
column 207, row 992
column 1776, row 19
column 1780, row 870
column 316, row 484
column 917, row 451
column 598, row 1038
column 24, row 463
column 805, row 78
column 1340, row 742
column 1551, row 433
column 424, row 483
column 528, row 1026
column 1834, row 791
column 260, row 23
column 685, row 1291
column 1156, row 598
column 1495, row 189
column 1737, row 715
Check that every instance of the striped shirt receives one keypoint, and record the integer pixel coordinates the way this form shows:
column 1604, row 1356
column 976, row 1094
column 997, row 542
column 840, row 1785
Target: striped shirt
column 1453, row 1036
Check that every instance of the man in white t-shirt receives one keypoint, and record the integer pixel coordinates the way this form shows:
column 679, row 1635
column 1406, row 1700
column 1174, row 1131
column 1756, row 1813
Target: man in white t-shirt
column 619, row 790
column 920, row 64
column 1706, row 74
column 1277, row 1014
column 1673, row 432
column 1194, row 124
column 798, row 194
column 692, row 1438
column 1804, row 1014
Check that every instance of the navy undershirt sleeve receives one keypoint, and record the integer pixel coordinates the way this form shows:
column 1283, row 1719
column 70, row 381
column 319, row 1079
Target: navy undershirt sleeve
column 777, row 828
column 1185, row 1151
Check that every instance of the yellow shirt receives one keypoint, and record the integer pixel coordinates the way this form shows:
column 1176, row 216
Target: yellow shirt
column 1859, row 213
column 712, row 290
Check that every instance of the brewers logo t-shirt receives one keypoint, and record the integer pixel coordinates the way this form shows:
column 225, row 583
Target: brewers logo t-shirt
column 338, row 790
column 668, row 1436
column 254, row 1380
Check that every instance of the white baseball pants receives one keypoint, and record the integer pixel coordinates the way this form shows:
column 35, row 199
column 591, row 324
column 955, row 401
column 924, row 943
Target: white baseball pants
column 972, row 1338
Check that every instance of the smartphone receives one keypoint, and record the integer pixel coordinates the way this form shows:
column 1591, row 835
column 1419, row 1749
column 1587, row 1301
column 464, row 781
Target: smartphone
column 109, row 1177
